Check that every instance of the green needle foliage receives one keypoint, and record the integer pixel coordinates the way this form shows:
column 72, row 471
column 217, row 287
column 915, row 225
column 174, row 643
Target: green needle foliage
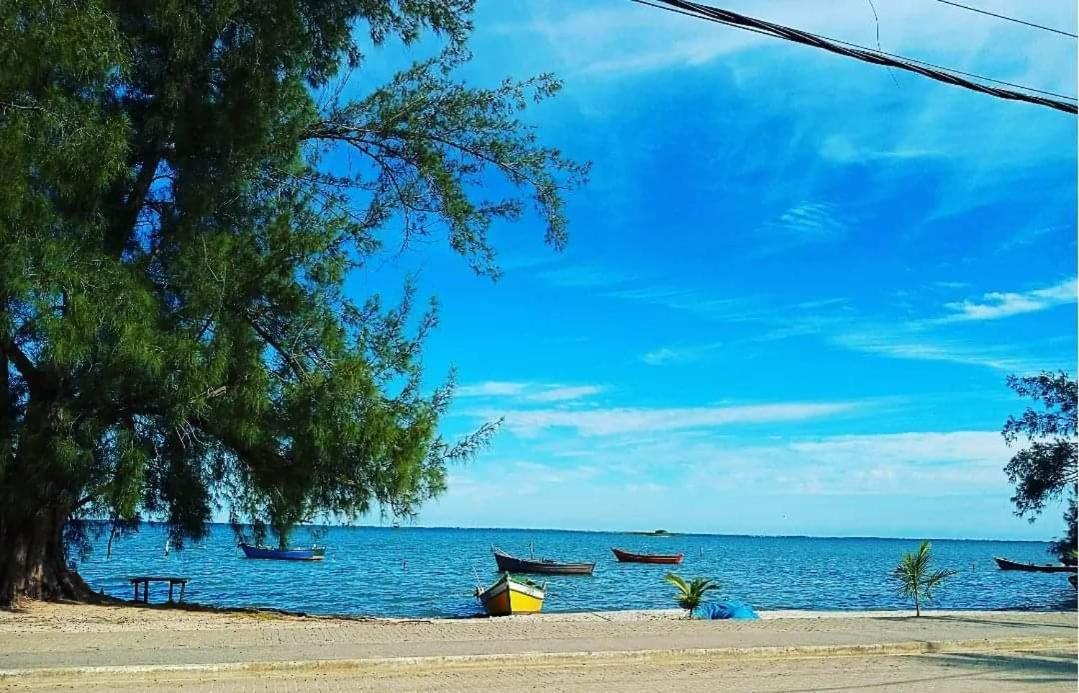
column 187, row 186
column 690, row 594
column 916, row 580
column 1045, row 468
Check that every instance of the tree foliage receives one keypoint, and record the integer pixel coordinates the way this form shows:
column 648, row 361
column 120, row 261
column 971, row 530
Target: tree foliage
column 915, row 577
column 1045, row 469
column 175, row 236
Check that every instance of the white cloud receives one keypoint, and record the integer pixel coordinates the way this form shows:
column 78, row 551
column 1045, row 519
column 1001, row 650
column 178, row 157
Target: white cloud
column 915, row 463
column 998, row 304
column 668, row 355
column 906, row 448
column 613, row 421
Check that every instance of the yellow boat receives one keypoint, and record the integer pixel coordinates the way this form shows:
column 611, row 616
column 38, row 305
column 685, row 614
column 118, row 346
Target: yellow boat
column 507, row 596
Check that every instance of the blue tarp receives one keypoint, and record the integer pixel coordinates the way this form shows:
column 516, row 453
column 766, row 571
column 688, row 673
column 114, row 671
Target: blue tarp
column 724, row 610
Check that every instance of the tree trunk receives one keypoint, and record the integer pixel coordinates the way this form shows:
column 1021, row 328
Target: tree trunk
column 33, row 558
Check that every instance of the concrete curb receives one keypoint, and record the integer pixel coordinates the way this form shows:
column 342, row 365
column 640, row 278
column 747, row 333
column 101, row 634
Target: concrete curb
column 555, row 658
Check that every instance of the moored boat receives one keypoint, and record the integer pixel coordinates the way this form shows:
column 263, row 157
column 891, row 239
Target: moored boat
column 547, row 566
column 630, row 557
column 1005, row 564
column 508, row 596
column 315, row 553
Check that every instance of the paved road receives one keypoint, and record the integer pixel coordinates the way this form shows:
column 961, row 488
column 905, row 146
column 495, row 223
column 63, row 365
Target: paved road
column 983, row 672
column 214, row 639
column 126, row 648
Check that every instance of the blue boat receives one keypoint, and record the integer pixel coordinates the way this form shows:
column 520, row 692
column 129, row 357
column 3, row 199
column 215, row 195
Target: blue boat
column 314, row 553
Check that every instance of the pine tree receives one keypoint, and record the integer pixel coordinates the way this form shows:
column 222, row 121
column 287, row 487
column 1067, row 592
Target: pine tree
column 174, row 331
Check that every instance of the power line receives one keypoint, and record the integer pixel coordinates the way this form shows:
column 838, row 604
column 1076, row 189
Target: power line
column 758, row 26
column 1010, row 19
column 869, row 55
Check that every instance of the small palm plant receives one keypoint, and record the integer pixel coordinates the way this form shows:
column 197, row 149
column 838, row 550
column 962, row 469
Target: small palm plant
column 916, row 580
column 691, row 593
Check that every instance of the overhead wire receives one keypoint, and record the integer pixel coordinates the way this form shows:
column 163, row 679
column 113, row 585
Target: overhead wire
column 1061, row 102
column 1010, row 19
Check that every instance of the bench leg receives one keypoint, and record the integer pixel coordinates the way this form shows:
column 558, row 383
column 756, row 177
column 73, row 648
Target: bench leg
column 183, row 586
column 170, row 591
column 146, row 592
column 136, row 586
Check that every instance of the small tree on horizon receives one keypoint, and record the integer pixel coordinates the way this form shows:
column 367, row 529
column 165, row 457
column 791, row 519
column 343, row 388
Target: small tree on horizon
column 690, row 594
column 915, row 579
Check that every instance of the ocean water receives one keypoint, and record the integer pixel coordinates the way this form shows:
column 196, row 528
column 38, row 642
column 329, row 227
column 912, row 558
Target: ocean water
column 433, row 572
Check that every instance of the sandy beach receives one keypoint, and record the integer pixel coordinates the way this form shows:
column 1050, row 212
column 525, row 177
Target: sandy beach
column 57, row 646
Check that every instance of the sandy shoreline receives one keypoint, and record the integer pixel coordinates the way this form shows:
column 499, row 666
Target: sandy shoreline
column 112, row 647
column 47, row 617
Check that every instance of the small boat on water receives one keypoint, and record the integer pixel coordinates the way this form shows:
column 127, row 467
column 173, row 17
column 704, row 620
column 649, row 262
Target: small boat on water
column 315, row 553
column 629, row 557
column 1005, row 564
column 547, row 566
column 508, row 596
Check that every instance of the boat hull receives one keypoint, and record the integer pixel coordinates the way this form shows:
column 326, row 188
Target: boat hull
column 265, row 552
column 1005, row 564
column 508, row 597
column 511, row 564
column 630, row 557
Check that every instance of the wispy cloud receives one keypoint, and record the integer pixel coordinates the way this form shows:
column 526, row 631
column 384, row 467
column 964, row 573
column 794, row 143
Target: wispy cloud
column 583, row 276
column 612, row 421
column 1033, row 234
column 491, row 388
column 841, row 150
column 921, row 348
column 923, row 463
column 678, row 354
column 812, row 221
column 999, row 304
column 528, row 391
column 563, row 393
column 692, row 301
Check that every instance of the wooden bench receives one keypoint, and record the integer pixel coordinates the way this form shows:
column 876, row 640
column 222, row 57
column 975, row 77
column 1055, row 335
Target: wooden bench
column 145, row 581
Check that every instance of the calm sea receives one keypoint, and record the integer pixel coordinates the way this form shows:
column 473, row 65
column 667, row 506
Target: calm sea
column 433, row 572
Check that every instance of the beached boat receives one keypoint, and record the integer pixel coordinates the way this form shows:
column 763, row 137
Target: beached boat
column 315, row 553
column 512, row 564
column 630, row 557
column 508, row 596
column 1005, row 564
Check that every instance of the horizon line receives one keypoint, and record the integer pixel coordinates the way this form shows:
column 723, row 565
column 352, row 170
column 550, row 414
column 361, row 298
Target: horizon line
column 643, row 532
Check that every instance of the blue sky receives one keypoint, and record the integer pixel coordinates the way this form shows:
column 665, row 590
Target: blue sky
column 794, row 286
